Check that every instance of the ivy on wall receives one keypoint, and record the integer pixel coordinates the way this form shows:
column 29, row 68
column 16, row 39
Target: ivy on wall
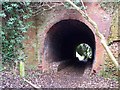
column 14, row 27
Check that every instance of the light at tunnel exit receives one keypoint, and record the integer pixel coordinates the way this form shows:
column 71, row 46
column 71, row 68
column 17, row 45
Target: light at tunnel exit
column 63, row 38
column 79, row 56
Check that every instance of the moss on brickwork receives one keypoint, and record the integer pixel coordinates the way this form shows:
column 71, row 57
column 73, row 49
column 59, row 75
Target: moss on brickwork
column 112, row 9
column 109, row 70
column 30, row 45
column 114, row 28
column 41, row 27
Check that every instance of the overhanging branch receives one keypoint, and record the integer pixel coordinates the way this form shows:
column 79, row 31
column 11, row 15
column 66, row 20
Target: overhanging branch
column 102, row 38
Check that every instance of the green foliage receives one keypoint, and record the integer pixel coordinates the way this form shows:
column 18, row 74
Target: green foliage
column 14, row 26
column 108, row 72
column 68, row 5
column 108, row 69
column 84, row 50
column 76, row 2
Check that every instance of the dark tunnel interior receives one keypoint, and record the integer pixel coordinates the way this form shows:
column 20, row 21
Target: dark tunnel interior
column 63, row 38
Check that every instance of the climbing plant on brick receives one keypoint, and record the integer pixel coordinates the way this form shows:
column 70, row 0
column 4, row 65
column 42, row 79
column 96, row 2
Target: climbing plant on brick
column 14, row 25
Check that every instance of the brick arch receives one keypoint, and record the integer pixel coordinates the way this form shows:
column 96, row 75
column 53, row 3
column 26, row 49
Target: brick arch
column 63, row 38
column 65, row 14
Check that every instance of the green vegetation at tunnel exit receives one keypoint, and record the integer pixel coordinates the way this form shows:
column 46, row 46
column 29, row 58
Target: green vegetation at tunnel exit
column 84, row 51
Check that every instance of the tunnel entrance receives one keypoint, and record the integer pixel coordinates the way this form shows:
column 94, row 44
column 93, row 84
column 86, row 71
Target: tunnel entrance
column 63, row 38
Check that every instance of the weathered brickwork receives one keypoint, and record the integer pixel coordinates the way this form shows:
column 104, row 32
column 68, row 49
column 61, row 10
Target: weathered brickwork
column 36, row 50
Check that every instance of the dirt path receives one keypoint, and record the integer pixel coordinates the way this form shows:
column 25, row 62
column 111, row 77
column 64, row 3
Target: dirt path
column 67, row 78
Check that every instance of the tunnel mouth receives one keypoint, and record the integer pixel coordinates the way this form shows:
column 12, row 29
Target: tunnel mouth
column 63, row 38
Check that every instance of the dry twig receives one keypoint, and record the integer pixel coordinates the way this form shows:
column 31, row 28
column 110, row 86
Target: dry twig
column 33, row 85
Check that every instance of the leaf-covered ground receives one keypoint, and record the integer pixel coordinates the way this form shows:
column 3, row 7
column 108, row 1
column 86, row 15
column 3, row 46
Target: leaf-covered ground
column 67, row 78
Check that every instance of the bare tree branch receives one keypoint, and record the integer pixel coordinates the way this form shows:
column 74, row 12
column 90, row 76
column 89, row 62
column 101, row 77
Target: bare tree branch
column 102, row 38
